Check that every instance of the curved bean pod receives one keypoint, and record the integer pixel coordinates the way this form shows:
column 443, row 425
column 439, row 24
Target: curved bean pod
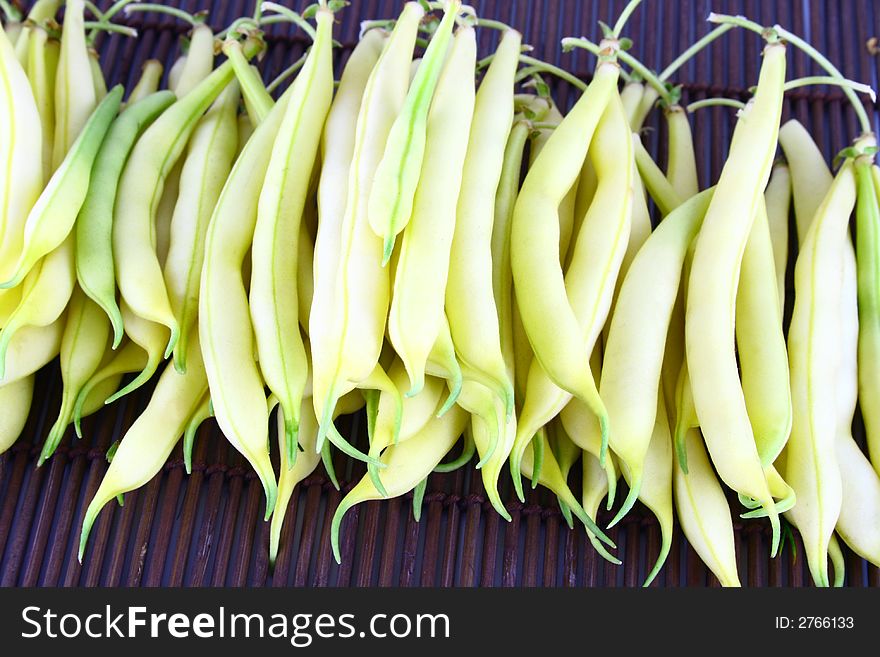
column 709, row 323
column 128, row 358
column 152, row 159
column 150, row 337
column 419, row 288
column 362, row 288
column 811, row 462
column 470, row 299
column 763, row 357
column 20, row 137
column 681, row 169
column 94, row 225
column 225, row 330
column 209, row 159
column 149, row 441
column 579, row 301
column 703, row 512
column 407, row 464
column 631, row 368
column 75, row 98
column 273, row 291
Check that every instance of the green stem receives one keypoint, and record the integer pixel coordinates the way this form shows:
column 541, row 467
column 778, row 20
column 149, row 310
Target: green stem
column 624, row 17
column 92, row 8
column 539, row 65
column 163, row 9
column 115, row 8
column 823, row 62
column 286, row 73
column 493, row 25
column 843, row 83
column 715, row 102
column 101, row 26
column 771, row 35
column 638, row 68
column 12, row 14
column 292, row 16
column 684, row 57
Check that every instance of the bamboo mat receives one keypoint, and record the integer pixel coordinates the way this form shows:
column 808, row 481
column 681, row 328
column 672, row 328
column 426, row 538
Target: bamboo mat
column 207, row 529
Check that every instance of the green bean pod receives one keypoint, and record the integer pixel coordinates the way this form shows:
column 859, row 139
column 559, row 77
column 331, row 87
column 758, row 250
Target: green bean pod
column 646, row 104
column 273, row 292
column 20, row 138
column 868, row 243
column 470, row 298
column 75, row 98
column 82, row 349
column 777, row 198
column 810, row 460
column 362, row 289
column 52, row 218
column 148, row 83
column 399, row 172
column 15, row 406
column 152, row 159
column 709, row 322
column 417, row 300
column 209, row 159
column 148, row 443
column 760, row 341
column 703, row 512
column 94, row 224
column 566, row 454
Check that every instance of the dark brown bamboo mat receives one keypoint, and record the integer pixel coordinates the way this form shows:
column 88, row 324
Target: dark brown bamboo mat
column 207, row 528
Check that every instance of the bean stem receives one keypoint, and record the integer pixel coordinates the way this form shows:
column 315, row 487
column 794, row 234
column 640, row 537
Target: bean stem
column 843, row 83
column 638, row 68
column 715, row 102
column 101, row 26
column 771, row 35
column 292, row 16
column 10, row 11
column 163, row 9
column 624, row 17
column 539, row 65
column 825, row 63
column 684, row 57
column 286, row 73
